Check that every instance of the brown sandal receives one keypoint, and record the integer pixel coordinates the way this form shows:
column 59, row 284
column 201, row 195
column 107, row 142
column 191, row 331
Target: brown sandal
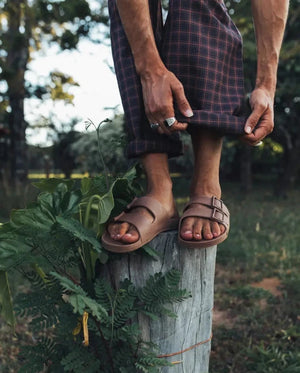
column 210, row 208
column 146, row 230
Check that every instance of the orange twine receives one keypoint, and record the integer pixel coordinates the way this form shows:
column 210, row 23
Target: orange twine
column 187, row 349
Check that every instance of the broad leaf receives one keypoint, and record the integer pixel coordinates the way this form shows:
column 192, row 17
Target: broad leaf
column 77, row 230
column 106, row 204
column 70, row 203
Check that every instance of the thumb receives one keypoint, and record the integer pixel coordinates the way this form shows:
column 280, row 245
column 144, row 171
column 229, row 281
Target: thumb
column 254, row 118
column 182, row 102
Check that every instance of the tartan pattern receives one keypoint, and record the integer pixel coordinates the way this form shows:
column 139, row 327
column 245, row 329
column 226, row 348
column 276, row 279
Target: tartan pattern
column 201, row 45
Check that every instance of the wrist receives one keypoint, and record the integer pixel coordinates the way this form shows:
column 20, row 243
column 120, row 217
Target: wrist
column 146, row 68
column 147, row 58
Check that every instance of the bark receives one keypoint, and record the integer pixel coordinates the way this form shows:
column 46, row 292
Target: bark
column 16, row 65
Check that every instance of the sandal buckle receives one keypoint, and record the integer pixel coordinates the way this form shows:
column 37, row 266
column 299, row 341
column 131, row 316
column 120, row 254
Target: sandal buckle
column 217, row 203
column 215, row 216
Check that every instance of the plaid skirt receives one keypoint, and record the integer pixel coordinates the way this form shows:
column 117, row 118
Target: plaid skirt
column 201, row 45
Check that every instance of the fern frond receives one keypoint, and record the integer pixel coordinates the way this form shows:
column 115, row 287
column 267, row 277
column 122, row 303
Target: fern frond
column 81, row 360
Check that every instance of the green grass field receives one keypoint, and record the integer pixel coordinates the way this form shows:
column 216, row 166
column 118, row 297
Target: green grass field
column 257, row 287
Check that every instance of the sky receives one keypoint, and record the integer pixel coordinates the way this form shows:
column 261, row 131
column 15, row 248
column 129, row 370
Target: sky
column 89, row 66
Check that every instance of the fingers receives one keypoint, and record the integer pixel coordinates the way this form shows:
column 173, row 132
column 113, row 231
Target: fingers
column 254, row 118
column 182, row 102
column 177, row 126
column 159, row 94
column 260, row 123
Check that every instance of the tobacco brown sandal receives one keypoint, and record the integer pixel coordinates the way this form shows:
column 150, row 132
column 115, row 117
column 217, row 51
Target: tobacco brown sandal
column 210, row 208
column 146, row 229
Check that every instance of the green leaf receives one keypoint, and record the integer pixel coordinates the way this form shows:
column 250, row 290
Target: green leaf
column 6, row 306
column 32, row 217
column 14, row 252
column 91, row 186
column 151, row 252
column 79, row 299
column 50, row 185
column 106, row 204
column 77, row 230
column 70, row 203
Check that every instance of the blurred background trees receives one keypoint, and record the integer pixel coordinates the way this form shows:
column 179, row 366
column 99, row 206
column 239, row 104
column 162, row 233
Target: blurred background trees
column 29, row 25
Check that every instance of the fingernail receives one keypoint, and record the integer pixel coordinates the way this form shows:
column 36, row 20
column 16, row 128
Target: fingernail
column 189, row 113
column 248, row 129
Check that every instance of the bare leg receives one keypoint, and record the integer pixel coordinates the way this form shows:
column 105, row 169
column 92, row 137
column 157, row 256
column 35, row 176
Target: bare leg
column 159, row 187
column 207, row 151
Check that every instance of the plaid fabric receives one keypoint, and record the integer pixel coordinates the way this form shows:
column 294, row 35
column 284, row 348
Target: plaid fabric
column 200, row 44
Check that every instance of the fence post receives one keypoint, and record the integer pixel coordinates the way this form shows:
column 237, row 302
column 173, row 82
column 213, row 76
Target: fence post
column 185, row 340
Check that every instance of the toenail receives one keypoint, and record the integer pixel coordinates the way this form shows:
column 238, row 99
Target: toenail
column 197, row 235
column 185, row 232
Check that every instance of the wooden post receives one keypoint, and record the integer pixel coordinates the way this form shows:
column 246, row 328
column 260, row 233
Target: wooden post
column 192, row 329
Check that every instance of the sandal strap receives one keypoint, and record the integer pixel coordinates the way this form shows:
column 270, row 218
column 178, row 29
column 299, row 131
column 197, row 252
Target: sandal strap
column 140, row 221
column 207, row 213
column 212, row 202
column 149, row 203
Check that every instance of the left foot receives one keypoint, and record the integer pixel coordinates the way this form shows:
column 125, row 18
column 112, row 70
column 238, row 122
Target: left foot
column 193, row 228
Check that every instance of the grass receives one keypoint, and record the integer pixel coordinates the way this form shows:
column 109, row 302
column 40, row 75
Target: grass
column 260, row 329
column 257, row 286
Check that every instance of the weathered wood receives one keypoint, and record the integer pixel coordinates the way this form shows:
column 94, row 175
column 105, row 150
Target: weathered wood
column 194, row 316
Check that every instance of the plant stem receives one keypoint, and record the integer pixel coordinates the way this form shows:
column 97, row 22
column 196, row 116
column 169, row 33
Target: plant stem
column 101, row 156
column 108, row 350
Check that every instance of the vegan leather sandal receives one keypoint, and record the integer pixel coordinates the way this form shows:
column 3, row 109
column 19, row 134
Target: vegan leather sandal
column 146, row 229
column 210, row 208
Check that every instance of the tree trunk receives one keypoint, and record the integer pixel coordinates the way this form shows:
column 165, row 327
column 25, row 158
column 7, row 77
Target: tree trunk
column 291, row 169
column 184, row 340
column 16, row 65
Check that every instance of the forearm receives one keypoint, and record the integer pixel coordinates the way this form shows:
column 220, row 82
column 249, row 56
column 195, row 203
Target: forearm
column 136, row 21
column 269, row 21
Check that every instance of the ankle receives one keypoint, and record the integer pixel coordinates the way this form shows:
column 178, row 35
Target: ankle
column 206, row 190
column 160, row 186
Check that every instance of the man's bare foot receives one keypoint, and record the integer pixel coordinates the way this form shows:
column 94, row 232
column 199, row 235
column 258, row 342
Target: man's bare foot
column 127, row 233
column 193, row 228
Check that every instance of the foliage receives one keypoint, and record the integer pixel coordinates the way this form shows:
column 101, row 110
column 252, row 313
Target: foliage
column 54, row 243
column 85, row 149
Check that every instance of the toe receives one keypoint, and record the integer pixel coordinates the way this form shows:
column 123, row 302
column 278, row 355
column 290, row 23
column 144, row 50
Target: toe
column 222, row 228
column 130, row 236
column 197, row 229
column 215, row 228
column 117, row 230
column 206, row 231
column 186, row 231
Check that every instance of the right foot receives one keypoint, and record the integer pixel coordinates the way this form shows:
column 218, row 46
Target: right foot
column 127, row 233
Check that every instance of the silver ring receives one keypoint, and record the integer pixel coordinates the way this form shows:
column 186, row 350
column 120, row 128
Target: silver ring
column 170, row 121
column 259, row 143
column 154, row 125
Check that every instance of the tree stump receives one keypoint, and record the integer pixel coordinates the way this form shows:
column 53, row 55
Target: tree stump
column 184, row 340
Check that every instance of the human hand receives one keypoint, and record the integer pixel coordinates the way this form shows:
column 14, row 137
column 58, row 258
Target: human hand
column 260, row 123
column 160, row 88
